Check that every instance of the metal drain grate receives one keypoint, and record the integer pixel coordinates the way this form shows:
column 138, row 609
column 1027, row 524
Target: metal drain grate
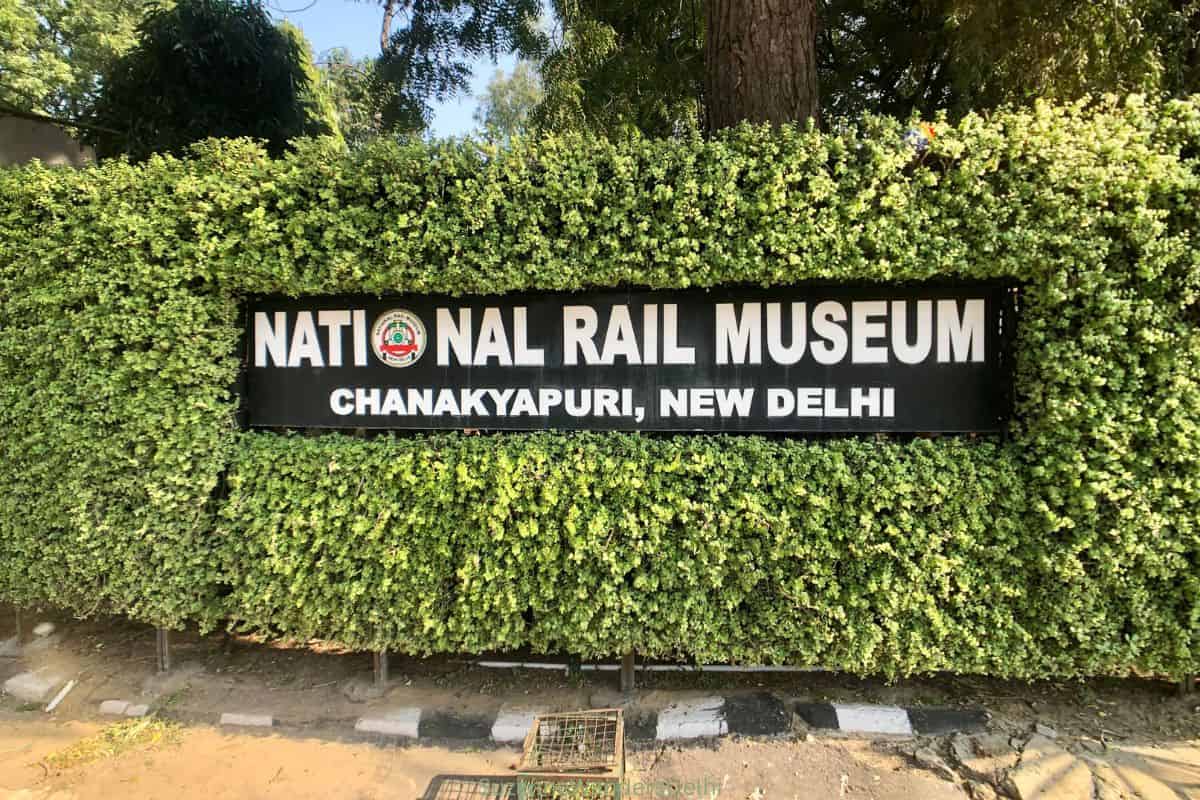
column 471, row 787
column 571, row 788
column 573, row 742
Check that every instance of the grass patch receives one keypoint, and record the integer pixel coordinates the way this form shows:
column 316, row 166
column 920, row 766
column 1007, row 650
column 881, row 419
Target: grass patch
column 134, row 734
column 174, row 697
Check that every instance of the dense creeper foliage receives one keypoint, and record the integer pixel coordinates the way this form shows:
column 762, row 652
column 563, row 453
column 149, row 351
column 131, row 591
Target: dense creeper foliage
column 1068, row 546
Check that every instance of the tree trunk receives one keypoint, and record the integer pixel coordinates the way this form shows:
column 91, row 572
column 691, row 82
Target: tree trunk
column 385, row 30
column 761, row 62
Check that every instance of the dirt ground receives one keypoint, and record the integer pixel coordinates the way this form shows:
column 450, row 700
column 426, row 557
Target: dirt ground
column 209, row 764
column 1131, row 739
column 204, row 763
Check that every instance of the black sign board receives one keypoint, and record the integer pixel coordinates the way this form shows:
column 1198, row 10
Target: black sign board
column 800, row 359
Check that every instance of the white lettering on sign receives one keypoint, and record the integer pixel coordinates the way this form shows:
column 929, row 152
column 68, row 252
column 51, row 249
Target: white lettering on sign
column 305, row 346
column 493, row 341
column 866, row 339
column 580, row 324
column 581, row 327
column 868, row 326
column 827, row 319
column 918, row 351
column 755, row 333
column 524, row 355
column 829, row 401
column 673, row 352
column 620, row 340
column 705, row 402
column 523, row 402
column 960, row 339
column 454, row 337
column 270, row 339
column 792, row 353
column 739, row 342
column 333, row 322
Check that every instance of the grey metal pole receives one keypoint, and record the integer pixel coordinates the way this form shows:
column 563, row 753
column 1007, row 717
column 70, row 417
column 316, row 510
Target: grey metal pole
column 627, row 663
column 162, row 648
column 381, row 668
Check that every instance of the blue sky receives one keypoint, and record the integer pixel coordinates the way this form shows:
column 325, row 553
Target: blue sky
column 355, row 25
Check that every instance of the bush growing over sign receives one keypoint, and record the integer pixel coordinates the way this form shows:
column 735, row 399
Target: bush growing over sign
column 1067, row 546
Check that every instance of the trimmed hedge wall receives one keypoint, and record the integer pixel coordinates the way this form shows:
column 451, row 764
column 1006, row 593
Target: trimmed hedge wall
column 1069, row 546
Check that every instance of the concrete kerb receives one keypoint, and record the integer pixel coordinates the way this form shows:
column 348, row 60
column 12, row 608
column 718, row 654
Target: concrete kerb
column 885, row 720
column 872, row 719
column 242, row 720
column 702, row 718
column 749, row 714
column 512, row 724
column 37, row 686
column 124, row 708
column 752, row 715
column 403, row 723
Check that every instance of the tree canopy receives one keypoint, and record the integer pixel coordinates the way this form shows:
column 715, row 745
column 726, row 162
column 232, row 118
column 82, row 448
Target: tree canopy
column 1014, row 50
column 359, row 95
column 620, row 66
column 637, row 65
column 427, row 46
column 54, row 51
column 614, row 67
column 505, row 106
column 205, row 68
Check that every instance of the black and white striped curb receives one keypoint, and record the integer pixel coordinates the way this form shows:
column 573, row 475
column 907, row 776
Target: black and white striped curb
column 754, row 714
column 891, row 720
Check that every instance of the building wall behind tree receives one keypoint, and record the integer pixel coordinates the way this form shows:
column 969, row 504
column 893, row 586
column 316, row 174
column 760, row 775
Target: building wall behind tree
column 23, row 140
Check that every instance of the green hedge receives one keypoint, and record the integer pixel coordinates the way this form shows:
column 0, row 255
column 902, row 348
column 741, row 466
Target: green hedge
column 854, row 553
column 1068, row 546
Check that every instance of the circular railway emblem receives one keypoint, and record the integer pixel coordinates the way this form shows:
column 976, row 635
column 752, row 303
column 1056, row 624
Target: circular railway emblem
column 398, row 338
